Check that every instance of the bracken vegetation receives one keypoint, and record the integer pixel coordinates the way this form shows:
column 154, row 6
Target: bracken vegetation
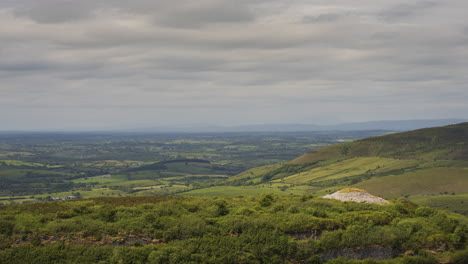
column 261, row 229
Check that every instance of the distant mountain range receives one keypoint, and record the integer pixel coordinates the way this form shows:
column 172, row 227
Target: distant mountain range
column 392, row 125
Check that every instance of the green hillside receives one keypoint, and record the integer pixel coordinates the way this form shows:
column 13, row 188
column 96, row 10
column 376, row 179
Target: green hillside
column 438, row 143
column 426, row 162
column 266, row 228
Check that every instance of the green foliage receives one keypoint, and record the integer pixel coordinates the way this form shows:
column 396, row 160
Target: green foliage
column 447, row 143
column 35, row 166
column 266, row 200
column 221, row 208
column 460, row 257
column 419, row 259
column 213, row 230
column 6, row 227
column 107, row 213
column 5, row 241
column 424, row 212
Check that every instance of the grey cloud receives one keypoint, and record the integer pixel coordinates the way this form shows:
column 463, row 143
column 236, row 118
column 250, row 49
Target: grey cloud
column 54, row 11
column 403, row 11
column 189, row 63
column 322, row 18
column 464, row 31
column 190, row 14
column 184, row 13
column 199, row 14
column 225, row 62
column 386, row 35
column 24, row 67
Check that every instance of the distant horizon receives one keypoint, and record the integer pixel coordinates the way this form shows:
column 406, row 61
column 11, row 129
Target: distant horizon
column 275, row 127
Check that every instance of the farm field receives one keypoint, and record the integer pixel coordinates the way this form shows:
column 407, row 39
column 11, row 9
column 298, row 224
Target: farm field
column 451, row 202
column 38, row 167
column 240, row 191
column 423, row 182
column 224, row 165
column 424, row 163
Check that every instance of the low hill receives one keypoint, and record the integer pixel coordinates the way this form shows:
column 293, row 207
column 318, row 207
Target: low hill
column 425, row 162
column 438, row 143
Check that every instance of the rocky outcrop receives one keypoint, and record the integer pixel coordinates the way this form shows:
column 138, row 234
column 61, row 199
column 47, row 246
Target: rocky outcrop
column 355, row 195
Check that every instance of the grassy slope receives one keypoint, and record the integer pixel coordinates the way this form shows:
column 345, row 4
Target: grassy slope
column 456, row 203
column 347, row 168
column 423, row 182
column 238, row 191
column 421, row 162
column 253, row 174
column 445, row 143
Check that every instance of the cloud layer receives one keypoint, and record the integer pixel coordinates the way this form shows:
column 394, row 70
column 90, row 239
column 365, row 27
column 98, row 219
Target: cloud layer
column 117, row 64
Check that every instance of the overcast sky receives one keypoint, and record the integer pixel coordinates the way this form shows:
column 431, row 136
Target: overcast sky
column 97, row 64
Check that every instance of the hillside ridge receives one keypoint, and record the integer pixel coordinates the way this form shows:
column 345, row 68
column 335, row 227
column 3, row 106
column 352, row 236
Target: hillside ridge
column 430, row 162
column 437, row 143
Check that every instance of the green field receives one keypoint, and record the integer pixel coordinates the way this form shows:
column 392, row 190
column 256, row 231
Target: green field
column 96, row 192
column 239, row 191
column 437, row 143
column 134, row 183
column 345, row 168
column 457, row 203
column 173, row 205
column 423, row 182
column 253, row 175
column 113, row 178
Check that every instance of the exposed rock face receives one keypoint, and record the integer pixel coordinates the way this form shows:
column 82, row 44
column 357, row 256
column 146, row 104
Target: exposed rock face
column 355, row 195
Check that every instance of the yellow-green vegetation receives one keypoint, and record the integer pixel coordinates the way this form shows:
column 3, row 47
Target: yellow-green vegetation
column 236, row 191
column 267, row 228
column 19, row 163
column 100, row 180
column 254, row 174
column 170, row 189
column 348, row 190
column 132, row 183
column 96, row 192
column 453, row 202
column 16, row 153
column 422, row 182
column 35, row 164
column 346, row 168
column 430, row 161
column 438, row 143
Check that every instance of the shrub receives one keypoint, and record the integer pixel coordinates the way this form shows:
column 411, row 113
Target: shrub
column 221, row 208
column 424, row 211
column 6, row 227
column 5, row 241
column 460, row 257
column 420, row 259
column 266, row 200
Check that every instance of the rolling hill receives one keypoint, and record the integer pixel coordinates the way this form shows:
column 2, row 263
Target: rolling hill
column 438, row 143
column 421, row 165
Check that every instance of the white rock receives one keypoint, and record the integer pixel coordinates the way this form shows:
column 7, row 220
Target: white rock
column 356, row 196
